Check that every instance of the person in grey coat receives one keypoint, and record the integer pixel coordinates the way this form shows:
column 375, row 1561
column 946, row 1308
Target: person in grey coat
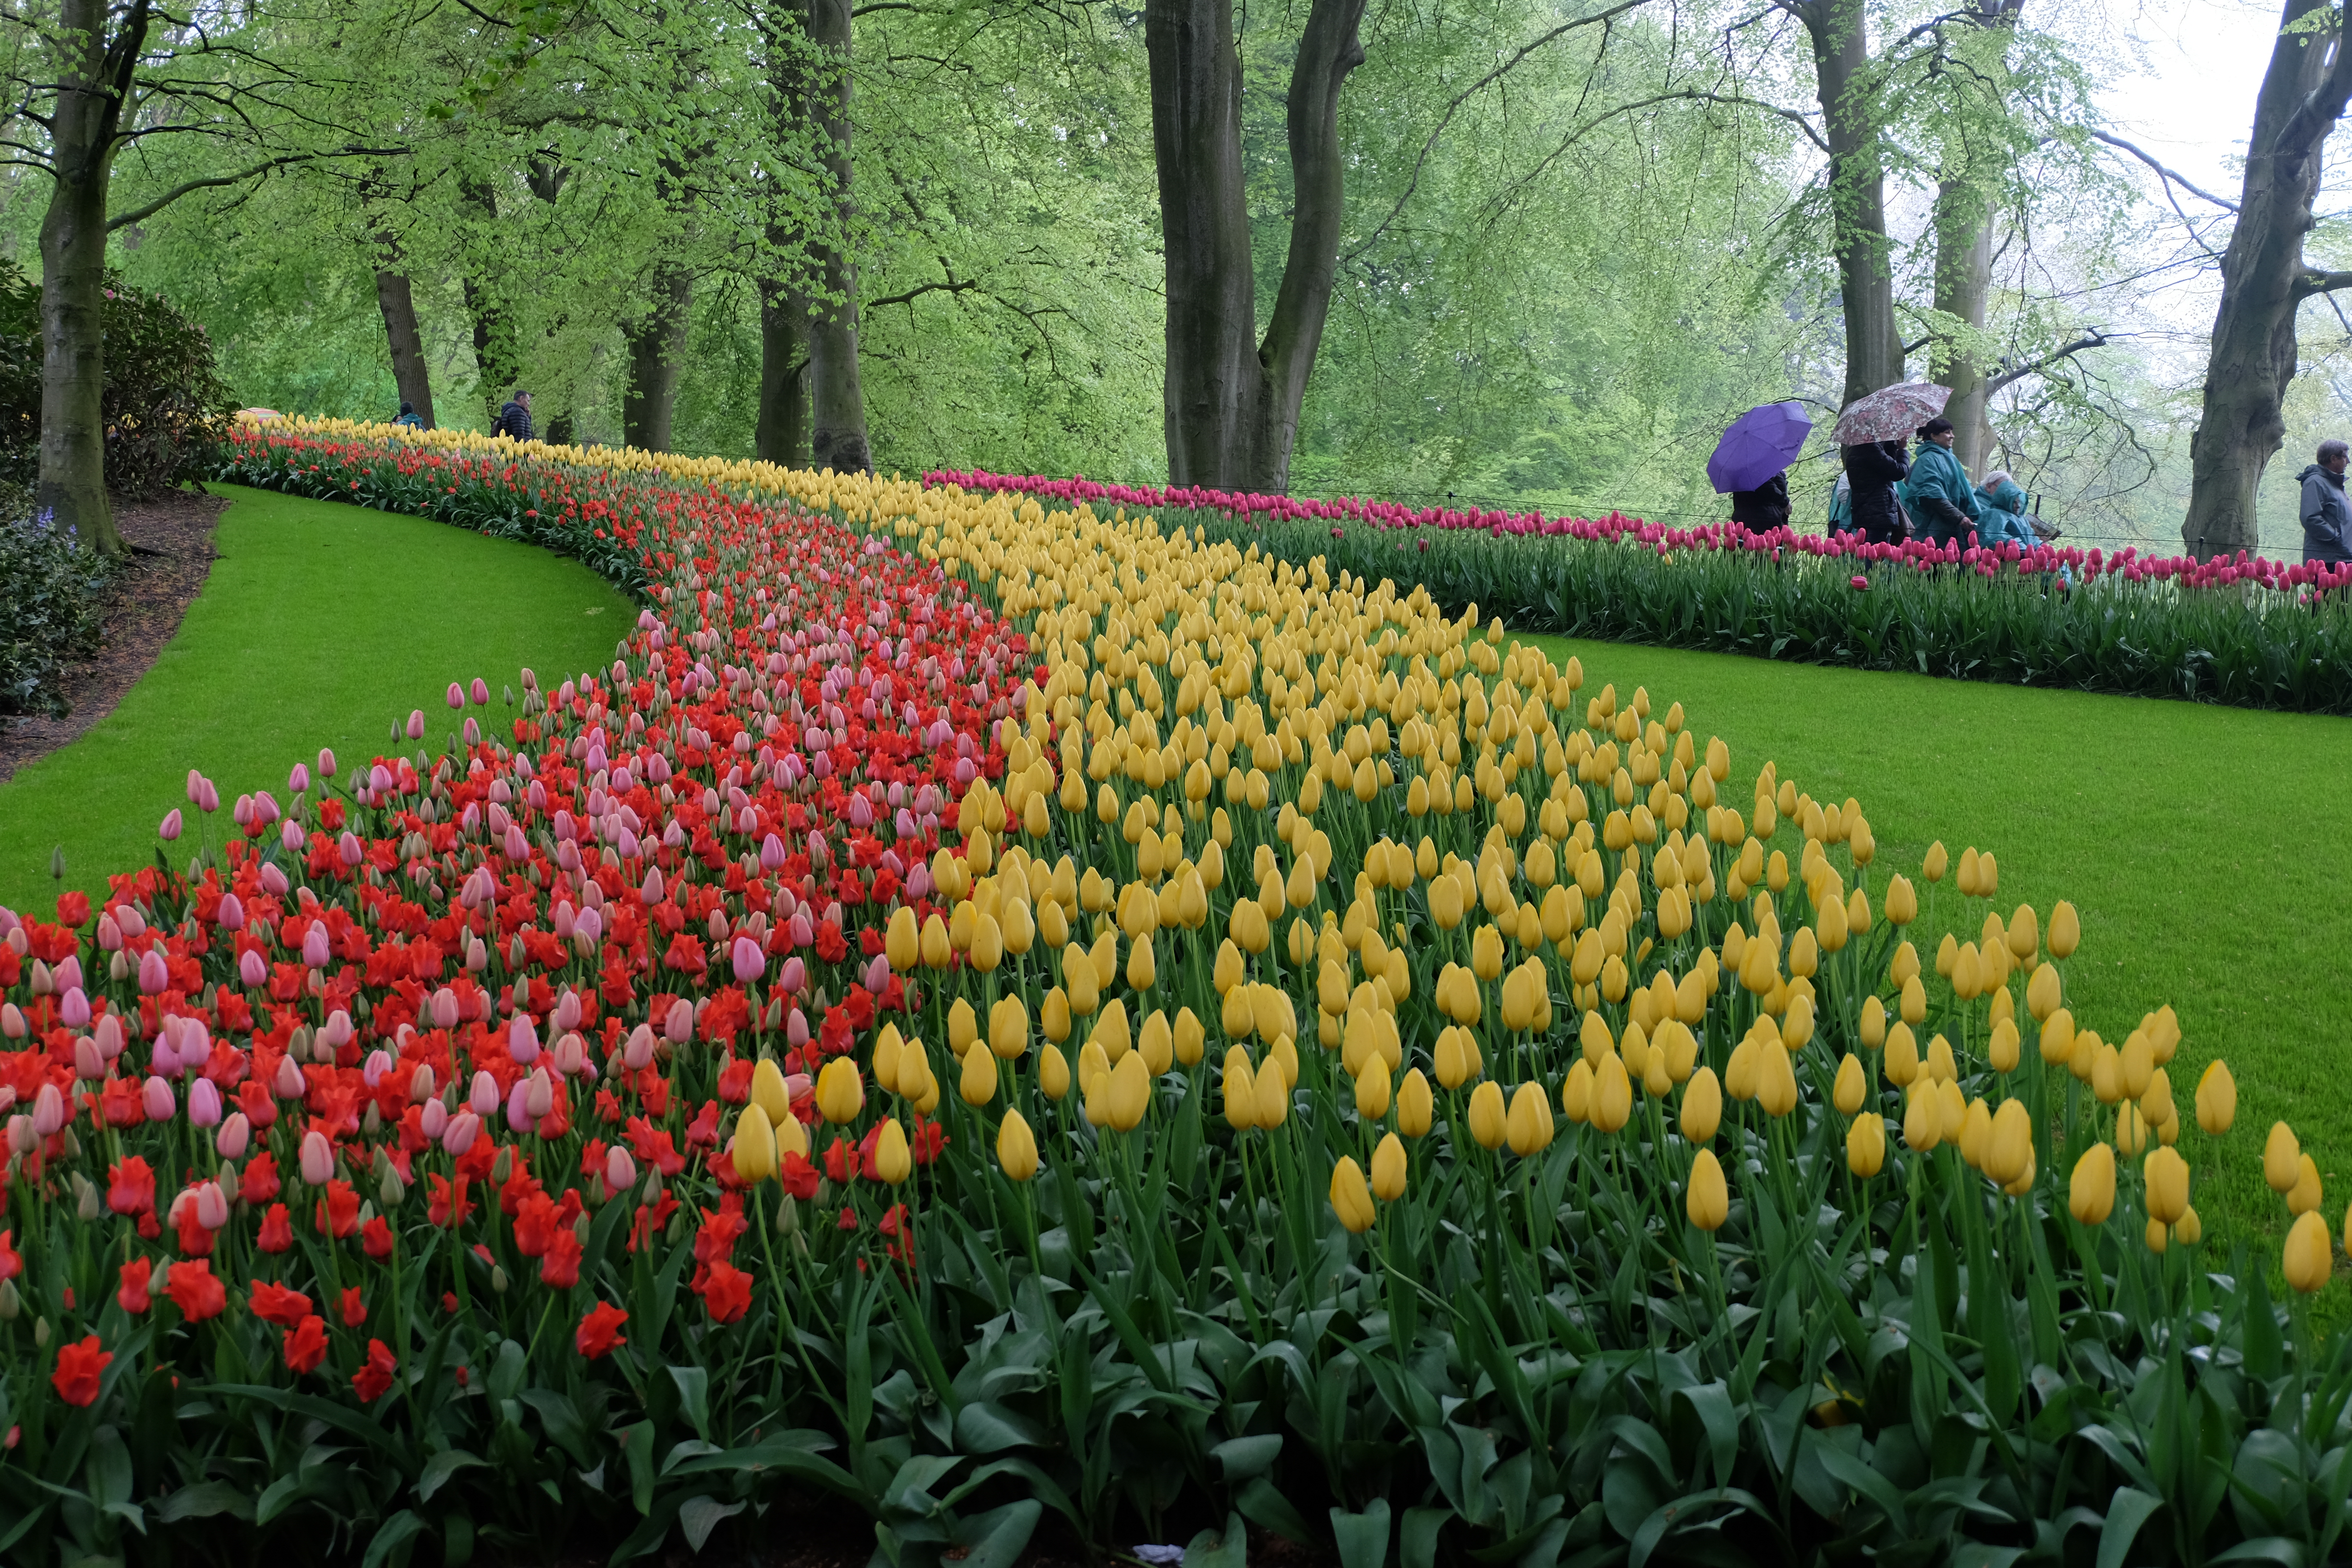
column 2326, row 517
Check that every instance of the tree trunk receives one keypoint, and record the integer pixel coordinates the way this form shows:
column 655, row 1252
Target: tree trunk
column 2264, row 281
column 657, row 349
column 837, row 423
column 783, row 436
column 93, row 81
column 407, row 346
column 1232, row 404
column 1963, row 280
column 1849, row 101
column 497, row 360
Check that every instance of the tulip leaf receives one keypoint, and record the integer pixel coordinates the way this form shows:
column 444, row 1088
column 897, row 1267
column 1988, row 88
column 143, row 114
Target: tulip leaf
column 1711, row 1402
column 693, row 1395
column 2264, row 1347
column 1243, row 1458
column 1261, row 1502
column 997, row 1539
column 984, row 1427
column 699, row 1516
column 1363, row 1538
column 393, row 1536
column 2275, row 1549
column 637, row 1443
column 2130, row 1508
column 440, row 1468
column 1227, row 1548
column 205, row 1500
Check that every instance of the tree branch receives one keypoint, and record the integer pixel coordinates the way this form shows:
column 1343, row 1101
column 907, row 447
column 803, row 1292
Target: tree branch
column 2164, row 173
column 142, row 214
column 2313, row 281
column 2092, row 339
column 911, row 295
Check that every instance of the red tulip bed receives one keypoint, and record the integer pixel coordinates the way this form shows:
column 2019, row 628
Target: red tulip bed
column 2246, row 631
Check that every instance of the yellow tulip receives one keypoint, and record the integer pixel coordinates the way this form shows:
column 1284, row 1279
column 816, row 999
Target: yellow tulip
column 840, row 1093
column 978, row 1083
column 768, row 1093
column 1372, row 1089
column 1053, row 1073
column 1902, row 902
column 2305, row 1196
column 1846, row 1093
column 1016, row 1148
column 1452, row 1062
column 1389, row 1169
column 1576, row 1091
column 1129, row 1095
column 1415, row 1105
column 1612, row 1096
column 1528, row 1125
column 904, row 944
column 1865, row 1144
column 2308, row 1259
column 2091, row 1193
column 2011, row 1150
column 1350, row 1198
column 1192, row 1038
column 2166, row 1175
column 2057, row 1036
column 1272, row 1095
column 963, row 1026
column 987, row 944
column 2281, row 1159
column 1873, row 1023
column 1702, row 1108
column 755, row 1144
column 2217, row 1099
column 1157, row 1043
column 1708, row 1201
column 892, row 1159
column 1776, row 1085
column 1240, row 1091
column 2041, row 993
column 2066, row 931
column 1487, row 1115
column 1008, row 1029
column 1445, row 902
column 1923, row 1119
column 2002, row 1049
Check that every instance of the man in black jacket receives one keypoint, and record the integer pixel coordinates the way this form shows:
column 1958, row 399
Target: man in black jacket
column 1873, row 470
column 2326, row 518
column 514, row 419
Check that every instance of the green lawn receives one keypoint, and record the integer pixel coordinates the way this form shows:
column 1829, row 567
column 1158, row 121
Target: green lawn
column 321, row 626
column 2205, row 848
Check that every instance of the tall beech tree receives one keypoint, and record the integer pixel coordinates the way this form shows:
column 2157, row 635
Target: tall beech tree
column 1232, row 400
column 2265, row 280
column 1975, row 159
column 837, row 395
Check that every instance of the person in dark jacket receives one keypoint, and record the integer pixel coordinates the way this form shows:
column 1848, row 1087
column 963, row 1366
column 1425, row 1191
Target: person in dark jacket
column 514, row 419
column 407, row 418
column 2326, row 517
column 1873, row 470
column 1938, row 489
column 1763, row 509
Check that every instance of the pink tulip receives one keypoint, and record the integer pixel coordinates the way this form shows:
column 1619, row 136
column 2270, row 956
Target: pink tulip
column 459, row 1136
column 523, row 1040
column 289, row 1084
column 107, row 1038
column 349, row 850
column 195, row 787
column 539, row 1096
column 318, row 1158
column 315, row 949
column 678, row 1026
column 456, row 700
column 49, row 1111
column 230, row 916
column 212, row 1206
column 170, row 827
column 299, row 780
column 421, row 1084
column 794, row 977
column 484, row 1095
column 432, row 1120
column 209, row 801
column 339, row 1031
column 378, row 1063
column 620, row 1171
column 416, row 723
column 73, row 1008
column 481, row 693
column 290, row 836
column 154, row 977
column 639, row 1051
column 445, row 1009
column 326, row 763
column 229, row 1143
column 203, row 1103
column 751, row 962
column 519, row 1116
column 250, row 970
column 88, row 1065
column 155, row 1097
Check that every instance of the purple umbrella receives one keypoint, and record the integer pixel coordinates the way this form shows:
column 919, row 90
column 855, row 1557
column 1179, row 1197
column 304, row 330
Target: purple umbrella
column 1760, row 444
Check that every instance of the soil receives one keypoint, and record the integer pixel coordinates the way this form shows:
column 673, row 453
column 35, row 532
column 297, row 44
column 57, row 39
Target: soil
column 171, row 544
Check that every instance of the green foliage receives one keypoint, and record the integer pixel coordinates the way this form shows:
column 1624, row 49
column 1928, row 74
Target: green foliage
column 166, row 400
column 50, row 612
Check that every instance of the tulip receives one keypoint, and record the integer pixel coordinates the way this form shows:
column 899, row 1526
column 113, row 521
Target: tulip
column 1865, row 1145
column 2066, row 931
column 1008, row 1029
column 2217, row 1099
column 1416, row 1104
column 235, row 1134
column 1350, row 1198
column 203, row 1103
column 840, row 1092
column 768, row 1091
column 892, row 1159
column 2091, row 1193
column 1272, row 1095
column 977, row 1084
column 2305, row 1196
column 1389, row 1169
column 2166, row 1175
column 1847, row 1092
column 2010, row 1151
column 1709, row 1200
column 459, row 1135
column 1016, row 1148
column 1372, row 1089
column 1528, row 1125
column 1775, row 1087
column 1054, row 1073
column 1902, row 901
column 1923, row 1119
column 1612, row 1096
column 755, row 1145
column 2282, row 1160
column 1487, row 1115
column 2308, row 1260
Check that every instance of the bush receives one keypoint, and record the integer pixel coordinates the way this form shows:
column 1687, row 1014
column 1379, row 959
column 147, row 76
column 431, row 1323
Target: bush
column 165, row 404
column 49, row 613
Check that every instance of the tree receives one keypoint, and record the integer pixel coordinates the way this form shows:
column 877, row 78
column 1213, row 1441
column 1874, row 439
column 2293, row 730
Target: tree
column 1975, row 159
column 2265, row 278
column 837, row 396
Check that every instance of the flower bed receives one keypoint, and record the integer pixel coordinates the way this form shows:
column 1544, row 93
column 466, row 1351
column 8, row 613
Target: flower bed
column 2248, row 632
column 1021, row 1022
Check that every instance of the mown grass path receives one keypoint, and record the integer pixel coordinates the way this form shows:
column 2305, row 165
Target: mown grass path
column 2207, row 848
column 321, row 626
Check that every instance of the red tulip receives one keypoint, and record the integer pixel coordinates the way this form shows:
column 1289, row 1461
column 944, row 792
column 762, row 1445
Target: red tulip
column 132, row 1291
column 279, row 1304
column 373, row 1379
column 306, row 1345
column 194, row 1292
column 599, row 1332
column 77, row 1374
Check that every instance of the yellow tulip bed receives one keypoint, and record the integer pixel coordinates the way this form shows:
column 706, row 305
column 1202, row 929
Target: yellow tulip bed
column 1363, row 1081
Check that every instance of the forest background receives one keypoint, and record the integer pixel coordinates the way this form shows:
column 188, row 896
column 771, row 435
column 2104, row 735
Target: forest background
column 1578, row 236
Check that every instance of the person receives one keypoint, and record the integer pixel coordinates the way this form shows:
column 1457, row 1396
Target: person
column 1939, row 490
column 2326, row 517
column 2001, row 512
column 407, row 415
column 1842, row 505
column 1764, row 508
column 514, row 419
column 1873, row 470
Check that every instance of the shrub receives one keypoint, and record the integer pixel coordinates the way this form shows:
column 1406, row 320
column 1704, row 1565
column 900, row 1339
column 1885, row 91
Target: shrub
column 50, row 612
column 1057, row 1020
column 165, row 403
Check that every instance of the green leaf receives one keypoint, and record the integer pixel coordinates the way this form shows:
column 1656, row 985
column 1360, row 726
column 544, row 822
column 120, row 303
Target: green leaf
column 1240, row 1459
column 997, row 1539
column 1416, row 1537
column 1228, row 1547
column 2130, row 1508
column 2275, row 1549
column 699, row 1516
column 1364, row 1537
column 984, row 1427
column 694, row 1394
column 205, row 1500
column 440, row 1468
column 392, row 1535
column 1263, row 1504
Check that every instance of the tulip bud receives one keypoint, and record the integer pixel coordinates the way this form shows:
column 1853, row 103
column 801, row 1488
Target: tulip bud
column 892, row 1160
column 1612, row 1096
column 620, row 1170
column 1351, row 1199
column 2281, row 1159
column 1865, row 1145
column 2166, row 1175
column 1016, row 1148
column 1847, row 1092
column 2010, row 1151
column 1389, row 1169
column 1708, row 1201
column 2066, row 931
column 318, row 1162
column 977, row 1084
column 2091, row 1193
column 2305, row 1196
column 2308, row 1259
column 1416, row 1104
column 755, row 1145
column 2217, row 1099
column 840, row 1093
column 1487, row 1115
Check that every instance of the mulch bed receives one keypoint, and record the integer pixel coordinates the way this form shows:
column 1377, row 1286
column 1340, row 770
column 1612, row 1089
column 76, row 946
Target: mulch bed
column 172, row 543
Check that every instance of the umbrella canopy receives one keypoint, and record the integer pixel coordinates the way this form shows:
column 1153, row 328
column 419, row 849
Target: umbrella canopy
column 1760, row 444
column 1891, row 414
